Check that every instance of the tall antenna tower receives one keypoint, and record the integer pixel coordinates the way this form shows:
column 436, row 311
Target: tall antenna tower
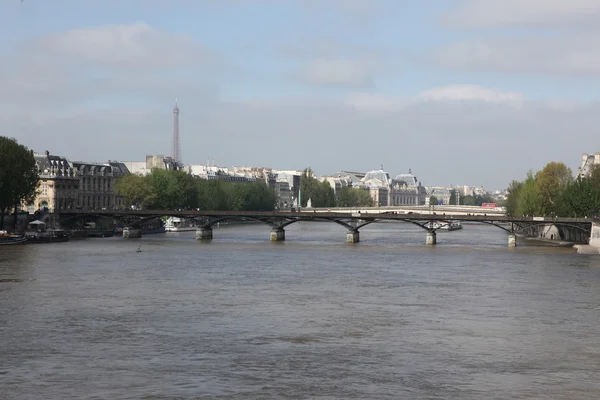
column 176, row 150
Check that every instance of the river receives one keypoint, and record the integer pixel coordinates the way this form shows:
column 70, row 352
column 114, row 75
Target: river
column 313, row 317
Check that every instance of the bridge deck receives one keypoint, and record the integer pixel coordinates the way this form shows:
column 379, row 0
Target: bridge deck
column 308, row 215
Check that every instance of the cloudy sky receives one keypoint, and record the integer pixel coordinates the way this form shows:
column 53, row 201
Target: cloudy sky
column 460, row 91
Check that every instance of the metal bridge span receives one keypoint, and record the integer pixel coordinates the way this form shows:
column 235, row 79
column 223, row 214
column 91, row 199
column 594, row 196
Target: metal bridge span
column 352, row 221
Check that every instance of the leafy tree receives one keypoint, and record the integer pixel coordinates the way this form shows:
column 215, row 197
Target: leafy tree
column 320, row 193
column 512, row 199
column 467, row 200
column 529, row 199
column 171, row 190
column 135, row 189
column 580, row 199
column 551, row 182
column 433, row 201
column 19, row 177
column 353, row 197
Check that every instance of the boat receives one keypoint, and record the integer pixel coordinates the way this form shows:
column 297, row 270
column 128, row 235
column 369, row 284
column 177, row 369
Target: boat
column 175, row 224
column 8, row 239
column 446, row 225
column 48, row 236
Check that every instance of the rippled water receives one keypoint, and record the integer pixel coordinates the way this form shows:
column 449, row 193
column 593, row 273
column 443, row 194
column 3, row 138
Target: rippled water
column 309, row 318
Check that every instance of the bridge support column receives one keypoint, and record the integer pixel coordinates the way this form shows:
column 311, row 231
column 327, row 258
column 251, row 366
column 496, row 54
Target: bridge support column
column 132, row 233
column 430, row 239
column 512, row 240
column 204, row 233
column 352, row 237
column 277, row 235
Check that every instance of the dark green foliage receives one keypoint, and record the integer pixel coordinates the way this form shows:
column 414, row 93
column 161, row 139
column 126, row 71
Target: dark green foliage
column 580, row 199
column 353, row 197
column 170, row 190
column 19, row 178
column 320, row 193
column 433, row 201
column 476, row 200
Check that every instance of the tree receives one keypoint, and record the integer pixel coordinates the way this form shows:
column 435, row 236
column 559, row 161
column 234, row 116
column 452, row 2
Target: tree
column 353, row 197
column 433, row 201
column 551, row 182
column 135, row 189
column 529, row 199
column 512, row 199
column 580, row 199
column 320, row 193
column 19, row 177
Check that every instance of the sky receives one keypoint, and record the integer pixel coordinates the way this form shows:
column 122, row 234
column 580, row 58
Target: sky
column 461, row 92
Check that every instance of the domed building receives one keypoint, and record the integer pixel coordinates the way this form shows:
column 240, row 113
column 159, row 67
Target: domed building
column 403, row 190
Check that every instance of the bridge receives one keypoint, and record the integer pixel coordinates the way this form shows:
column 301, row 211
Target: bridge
column 352, row 221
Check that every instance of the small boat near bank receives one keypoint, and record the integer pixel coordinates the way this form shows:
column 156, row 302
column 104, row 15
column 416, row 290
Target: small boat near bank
column 47, row 236
column 9, row 239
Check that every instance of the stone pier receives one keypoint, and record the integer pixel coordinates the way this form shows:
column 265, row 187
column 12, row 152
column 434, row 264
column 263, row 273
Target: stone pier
column 352, row 237
column 512, row 240
column 204, row 233
column 132, row 233
column 430, row 239
column 277, row 235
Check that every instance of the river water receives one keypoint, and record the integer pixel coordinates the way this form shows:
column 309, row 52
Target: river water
column 314, row 317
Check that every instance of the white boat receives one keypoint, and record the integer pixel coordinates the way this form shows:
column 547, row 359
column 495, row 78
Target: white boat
column 446, row 225
column 176, row 224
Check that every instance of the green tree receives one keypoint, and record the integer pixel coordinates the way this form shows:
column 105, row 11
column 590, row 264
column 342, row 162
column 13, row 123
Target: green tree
column 320, row 193
column 580, row 199
column 19, row 177
column 468, row 200
column 551, row 182
column 512, row 198
column 433, row 201
column 353, row 197
column 529, row 199
column 135, row 189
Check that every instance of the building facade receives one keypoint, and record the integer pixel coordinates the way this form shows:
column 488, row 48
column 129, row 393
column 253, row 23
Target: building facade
column 403, row 190
column 588, row 163
column 59, row 184
column 97, row 185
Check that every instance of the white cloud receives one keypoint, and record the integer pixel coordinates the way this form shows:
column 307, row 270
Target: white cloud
column 470, row 93
column 353, row 73
column 569, row 55
column 118, row 46
column 489, row 13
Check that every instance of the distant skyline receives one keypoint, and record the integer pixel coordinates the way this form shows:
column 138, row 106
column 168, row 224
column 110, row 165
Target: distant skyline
column 462, row 91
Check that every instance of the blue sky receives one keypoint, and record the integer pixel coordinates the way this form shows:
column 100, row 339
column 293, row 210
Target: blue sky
column 458, row 91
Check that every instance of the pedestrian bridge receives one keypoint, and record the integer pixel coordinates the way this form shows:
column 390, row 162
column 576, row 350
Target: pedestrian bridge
column 579, row 228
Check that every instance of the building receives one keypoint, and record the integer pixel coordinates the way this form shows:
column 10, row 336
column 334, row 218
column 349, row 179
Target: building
column 143, row 168
column 403, row 190
column 588, row 163
column 97, row 185
column 59, row 184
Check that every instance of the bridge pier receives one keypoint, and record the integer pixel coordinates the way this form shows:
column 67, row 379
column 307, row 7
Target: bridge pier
column 204, row 233
column 431, row 238
column 352, row 237
column 512, row 240
column 277, row 235
column 132, row 233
